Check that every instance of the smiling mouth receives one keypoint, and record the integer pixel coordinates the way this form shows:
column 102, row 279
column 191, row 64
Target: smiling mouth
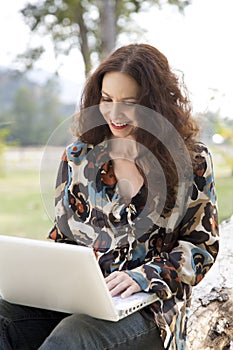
column 118, row 125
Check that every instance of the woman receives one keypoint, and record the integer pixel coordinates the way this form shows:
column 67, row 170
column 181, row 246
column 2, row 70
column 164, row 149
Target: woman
column 138, row 188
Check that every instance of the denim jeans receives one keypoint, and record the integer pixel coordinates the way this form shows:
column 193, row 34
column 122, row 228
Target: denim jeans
column 26, row 328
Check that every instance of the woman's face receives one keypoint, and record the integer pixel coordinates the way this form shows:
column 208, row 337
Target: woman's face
column 119, row 96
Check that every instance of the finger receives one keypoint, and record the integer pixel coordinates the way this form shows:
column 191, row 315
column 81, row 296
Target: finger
column 126, row 288
column 111, row 276
column 130, row 290
column 118, row 284
column 119, row 288
column 116, row 278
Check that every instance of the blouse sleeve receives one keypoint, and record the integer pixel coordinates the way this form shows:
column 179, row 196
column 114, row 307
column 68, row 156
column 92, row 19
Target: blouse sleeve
column 61, row 232
column 196, row 243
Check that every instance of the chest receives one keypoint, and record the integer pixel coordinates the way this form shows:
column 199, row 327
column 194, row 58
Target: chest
column 128, row 178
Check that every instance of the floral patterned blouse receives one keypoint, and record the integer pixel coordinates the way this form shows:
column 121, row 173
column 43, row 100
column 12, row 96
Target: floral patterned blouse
column 163, row 254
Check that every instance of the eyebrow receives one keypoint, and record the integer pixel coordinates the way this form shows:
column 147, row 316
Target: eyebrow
column 125, row 98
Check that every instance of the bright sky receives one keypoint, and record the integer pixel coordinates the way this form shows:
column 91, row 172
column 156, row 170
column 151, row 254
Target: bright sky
column 199, row 44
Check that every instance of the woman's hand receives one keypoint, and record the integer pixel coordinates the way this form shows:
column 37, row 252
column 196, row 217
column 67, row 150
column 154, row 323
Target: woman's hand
column 120, row 281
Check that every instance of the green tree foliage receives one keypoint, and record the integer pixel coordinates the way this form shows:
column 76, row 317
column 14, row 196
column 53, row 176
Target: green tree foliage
column 225, row 129
column 25, row 110
column 32, row 112
column 92, row 26
column 213, row 124
column 37, row 112
column 4, row 132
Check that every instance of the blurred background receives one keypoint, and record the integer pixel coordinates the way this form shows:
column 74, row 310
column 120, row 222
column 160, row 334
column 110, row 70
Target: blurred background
column 48, row 48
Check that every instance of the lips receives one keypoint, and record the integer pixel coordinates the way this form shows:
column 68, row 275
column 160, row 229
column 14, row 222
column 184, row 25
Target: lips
column 118, row 126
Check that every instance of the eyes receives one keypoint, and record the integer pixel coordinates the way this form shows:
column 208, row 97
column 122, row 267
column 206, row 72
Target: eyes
column 105, row 99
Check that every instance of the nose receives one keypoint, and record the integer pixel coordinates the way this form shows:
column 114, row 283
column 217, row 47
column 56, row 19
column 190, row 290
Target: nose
column 116, row 111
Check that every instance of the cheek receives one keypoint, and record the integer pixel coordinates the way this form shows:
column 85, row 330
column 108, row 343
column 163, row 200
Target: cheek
column 125, row 112
column 104, row 110
column 132, row 117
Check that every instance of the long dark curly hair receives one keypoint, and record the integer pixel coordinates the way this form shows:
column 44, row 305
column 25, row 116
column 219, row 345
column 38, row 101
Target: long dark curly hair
column 162, row 92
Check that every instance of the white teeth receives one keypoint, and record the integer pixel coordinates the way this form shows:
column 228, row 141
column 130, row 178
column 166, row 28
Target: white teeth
column 118, row 124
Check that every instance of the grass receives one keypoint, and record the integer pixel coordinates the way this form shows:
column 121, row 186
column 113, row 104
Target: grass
column 22, row 212
column 21, row 208
column 224, row 188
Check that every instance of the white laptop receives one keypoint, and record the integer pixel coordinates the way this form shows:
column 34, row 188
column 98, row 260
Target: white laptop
column 60, row 277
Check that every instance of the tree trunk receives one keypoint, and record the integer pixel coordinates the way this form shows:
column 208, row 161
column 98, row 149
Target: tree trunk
column 210, row 325
column 84, row 47
column 107, row 27
column 211, row 321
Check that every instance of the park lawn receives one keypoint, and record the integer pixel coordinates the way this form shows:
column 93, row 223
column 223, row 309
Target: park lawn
column 21, row 209
column 22, row 212
column 224, row 188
